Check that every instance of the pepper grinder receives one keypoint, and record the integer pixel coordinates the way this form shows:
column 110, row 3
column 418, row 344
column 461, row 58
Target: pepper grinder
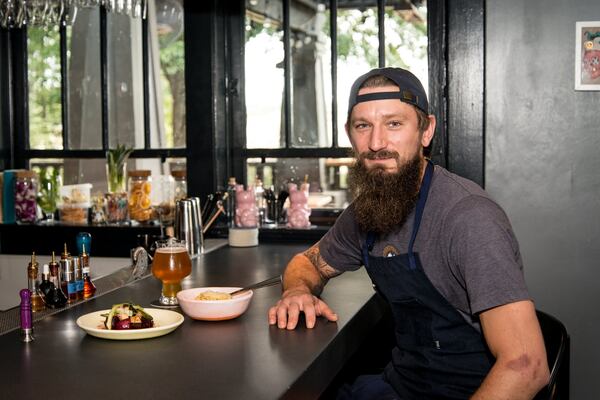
column 26, row 319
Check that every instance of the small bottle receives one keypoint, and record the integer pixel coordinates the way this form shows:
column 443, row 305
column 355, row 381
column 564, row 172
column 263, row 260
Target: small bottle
column 26, row 317
column 65, row 263
column 230, row 202
column 45, row 285
column 260, row 200
column 88, row 286
column 85, row 256
column 37, row 304
column 71, row 283
column 78, row 271
column 55, row 297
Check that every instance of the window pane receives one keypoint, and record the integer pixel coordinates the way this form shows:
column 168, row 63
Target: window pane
column 43, row 74
column 406, row 40
column 310, row 46
column 264, row 75
column 167, row 74
column 125, row 81
column 85, row 97
column 357, row 43
column 327, row 177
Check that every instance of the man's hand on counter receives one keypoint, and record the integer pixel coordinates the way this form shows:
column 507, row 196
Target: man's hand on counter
column 294, row 301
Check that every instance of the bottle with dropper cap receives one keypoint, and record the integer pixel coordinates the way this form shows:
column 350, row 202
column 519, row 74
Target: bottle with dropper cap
column 37, row 304
column 55, row 297
column 88, row 286
column 68, row 283
column 45, row 285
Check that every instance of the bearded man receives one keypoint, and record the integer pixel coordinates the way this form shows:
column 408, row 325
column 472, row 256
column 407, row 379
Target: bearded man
column 437, row 248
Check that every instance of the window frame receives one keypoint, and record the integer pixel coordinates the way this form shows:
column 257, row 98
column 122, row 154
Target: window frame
column 20, row 151
column 436, row 64
column 215, row 116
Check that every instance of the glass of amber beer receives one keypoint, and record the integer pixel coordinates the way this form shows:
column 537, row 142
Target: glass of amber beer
column 171, row 264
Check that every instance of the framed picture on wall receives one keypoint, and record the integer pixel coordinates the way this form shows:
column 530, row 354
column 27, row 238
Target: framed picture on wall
column 587, row 55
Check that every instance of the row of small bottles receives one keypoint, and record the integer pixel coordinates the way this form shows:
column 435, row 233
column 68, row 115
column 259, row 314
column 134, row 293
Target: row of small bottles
column 65, row 281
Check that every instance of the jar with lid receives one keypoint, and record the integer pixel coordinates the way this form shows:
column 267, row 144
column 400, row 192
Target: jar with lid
column 180, row 177
column 163, row 199
column 139, row 185
column 26, row 189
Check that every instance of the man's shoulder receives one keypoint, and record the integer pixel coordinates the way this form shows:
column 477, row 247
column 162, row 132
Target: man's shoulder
column 450, row 183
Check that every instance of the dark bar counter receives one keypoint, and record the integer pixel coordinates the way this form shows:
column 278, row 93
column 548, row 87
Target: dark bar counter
column 244, row 358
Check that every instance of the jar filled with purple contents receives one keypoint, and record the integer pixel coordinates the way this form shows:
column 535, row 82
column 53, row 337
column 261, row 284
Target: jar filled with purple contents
column 26, row 189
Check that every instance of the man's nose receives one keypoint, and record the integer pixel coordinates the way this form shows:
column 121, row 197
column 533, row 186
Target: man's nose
column 378, row 140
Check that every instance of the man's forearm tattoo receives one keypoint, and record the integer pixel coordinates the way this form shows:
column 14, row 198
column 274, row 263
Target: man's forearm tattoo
column 325, row 270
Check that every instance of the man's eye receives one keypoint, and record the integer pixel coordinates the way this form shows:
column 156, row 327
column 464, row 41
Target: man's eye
column 394, row 124
column 360, row 126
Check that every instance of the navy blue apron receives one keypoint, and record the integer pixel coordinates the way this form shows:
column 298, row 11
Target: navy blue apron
column 438, row 355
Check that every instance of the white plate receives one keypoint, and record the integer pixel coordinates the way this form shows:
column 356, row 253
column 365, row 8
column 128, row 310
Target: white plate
column 165, row 321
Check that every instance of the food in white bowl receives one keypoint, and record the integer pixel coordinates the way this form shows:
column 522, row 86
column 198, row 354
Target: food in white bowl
column 211, row 295
column 213, row 310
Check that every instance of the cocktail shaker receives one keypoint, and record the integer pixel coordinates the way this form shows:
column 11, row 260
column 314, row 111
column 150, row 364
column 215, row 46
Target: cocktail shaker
column 188, row 225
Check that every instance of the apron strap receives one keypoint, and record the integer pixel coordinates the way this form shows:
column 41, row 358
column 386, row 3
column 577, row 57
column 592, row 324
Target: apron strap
column 423, row 192
column 368, row 246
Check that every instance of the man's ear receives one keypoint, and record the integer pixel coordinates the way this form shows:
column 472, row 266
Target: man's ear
column 346, row 127
column 427, row 136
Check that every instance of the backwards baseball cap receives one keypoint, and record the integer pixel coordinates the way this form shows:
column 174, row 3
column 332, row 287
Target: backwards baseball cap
column 411, row 89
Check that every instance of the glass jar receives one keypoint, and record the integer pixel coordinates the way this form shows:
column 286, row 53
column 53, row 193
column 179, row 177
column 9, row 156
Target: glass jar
column 180, row 177
column 139, row 186
column 163, row 199
column 26, row 189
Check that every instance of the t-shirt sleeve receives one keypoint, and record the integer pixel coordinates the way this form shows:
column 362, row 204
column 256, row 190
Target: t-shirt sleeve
column 484, row 252
column 340, row 247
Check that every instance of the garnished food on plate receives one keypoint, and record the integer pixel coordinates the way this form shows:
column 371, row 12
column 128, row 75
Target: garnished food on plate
column 127, row 316
column 212, row 295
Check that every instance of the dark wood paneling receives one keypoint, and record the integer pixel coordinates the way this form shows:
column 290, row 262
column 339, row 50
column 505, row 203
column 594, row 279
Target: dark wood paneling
column 436, row 22
column 204, row 99
column 5, row 101
column 466, row 100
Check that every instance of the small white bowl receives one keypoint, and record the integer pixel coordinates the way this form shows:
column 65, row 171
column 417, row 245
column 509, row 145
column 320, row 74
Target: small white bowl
column 213, row 310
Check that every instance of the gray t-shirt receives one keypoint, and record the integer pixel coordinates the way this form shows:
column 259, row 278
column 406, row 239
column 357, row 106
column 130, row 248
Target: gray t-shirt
column 465, row 243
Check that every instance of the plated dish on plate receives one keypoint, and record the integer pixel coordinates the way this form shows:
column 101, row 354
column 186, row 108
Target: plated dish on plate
column 165, row 321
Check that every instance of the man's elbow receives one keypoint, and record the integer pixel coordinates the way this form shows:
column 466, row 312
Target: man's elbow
column 541, row 376
column 533, row 371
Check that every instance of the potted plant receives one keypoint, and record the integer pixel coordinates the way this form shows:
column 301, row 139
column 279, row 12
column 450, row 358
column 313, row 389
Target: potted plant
column 48, row 197
column 116, row 198
column 116, row 164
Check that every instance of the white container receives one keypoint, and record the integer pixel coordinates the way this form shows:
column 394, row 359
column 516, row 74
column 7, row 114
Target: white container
column 243, row 237
column 74, row 203
column 75, row 196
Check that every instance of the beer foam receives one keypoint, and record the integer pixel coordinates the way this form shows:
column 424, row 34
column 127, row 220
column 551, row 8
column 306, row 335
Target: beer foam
column 171, row 250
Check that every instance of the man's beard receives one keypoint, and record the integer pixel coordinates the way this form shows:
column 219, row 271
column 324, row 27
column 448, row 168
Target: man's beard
column 382, row 200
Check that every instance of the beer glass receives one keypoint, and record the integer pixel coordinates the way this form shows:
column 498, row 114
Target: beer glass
column 171, row 264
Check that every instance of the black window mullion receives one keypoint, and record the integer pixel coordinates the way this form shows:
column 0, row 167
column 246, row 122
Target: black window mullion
column 287, row 74
column 333, row 4
column 381, row 31
column 77, row 153
column 20, row 103
column 146, row 76
column 64, row 87
column 104, row 77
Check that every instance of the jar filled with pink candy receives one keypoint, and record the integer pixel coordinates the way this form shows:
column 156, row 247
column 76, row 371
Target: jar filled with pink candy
column 26, row 189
